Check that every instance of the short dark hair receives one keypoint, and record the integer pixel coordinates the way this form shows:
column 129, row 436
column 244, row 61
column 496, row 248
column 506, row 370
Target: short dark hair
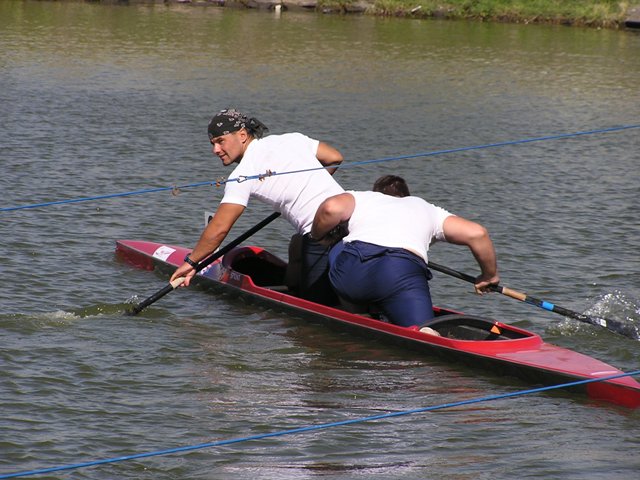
column 391, row 185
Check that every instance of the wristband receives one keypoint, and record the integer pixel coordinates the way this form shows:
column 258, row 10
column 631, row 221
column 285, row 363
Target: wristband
column 190, row 262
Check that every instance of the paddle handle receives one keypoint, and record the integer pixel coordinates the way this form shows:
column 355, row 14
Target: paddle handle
column 621, row 328
column 202, row 264
column 235, row 242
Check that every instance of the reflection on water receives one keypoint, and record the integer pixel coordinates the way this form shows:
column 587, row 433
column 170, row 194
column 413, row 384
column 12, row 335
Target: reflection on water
column 102, row 99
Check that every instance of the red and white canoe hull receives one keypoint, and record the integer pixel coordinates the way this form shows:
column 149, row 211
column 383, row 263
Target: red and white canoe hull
column 523, row 354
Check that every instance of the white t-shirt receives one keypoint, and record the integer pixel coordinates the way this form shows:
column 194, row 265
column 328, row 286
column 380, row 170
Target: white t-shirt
column 399, row 222
column 296, row 195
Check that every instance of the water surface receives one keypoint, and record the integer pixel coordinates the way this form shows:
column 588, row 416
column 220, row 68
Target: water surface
column 101, row 99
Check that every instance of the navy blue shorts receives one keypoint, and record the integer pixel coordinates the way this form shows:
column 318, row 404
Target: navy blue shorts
column 393, row 279
column 315, row 284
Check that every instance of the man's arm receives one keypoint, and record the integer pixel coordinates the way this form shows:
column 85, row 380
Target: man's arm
column 465, row 232
column 333, row 211
column 329, row 156
column 211, row 238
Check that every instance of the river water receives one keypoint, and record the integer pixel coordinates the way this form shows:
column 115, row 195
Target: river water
column 98, row 100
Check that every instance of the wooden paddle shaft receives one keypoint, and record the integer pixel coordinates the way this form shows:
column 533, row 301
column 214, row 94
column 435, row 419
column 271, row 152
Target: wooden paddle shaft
column 511, row 293
column 628, row 330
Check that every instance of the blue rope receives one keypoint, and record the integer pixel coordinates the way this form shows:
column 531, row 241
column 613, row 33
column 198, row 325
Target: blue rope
column 441, row 152
column 313, row 427
column 101, row 197
column 261, row 176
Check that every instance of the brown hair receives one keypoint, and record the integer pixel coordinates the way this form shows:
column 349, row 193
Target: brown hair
column 391, row 185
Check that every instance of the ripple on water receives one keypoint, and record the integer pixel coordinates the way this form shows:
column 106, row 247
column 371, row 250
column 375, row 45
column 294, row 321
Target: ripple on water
column 124, row 106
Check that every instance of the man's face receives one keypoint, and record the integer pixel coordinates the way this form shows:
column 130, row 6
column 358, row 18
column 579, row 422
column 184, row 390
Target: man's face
column 230, row 147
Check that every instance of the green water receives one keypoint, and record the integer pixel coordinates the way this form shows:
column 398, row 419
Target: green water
column 99, row 99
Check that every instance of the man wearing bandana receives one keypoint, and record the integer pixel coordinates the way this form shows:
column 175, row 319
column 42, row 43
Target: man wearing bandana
column 239, row 139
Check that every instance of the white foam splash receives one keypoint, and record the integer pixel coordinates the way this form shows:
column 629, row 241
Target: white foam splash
column 616, row 305
column 613, row 306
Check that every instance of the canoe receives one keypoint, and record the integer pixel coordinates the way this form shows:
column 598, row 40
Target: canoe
column 258, row 275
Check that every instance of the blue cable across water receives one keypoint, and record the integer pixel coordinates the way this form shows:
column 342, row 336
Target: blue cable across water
column 102, row 197
column 349, row 165
column 311, row 427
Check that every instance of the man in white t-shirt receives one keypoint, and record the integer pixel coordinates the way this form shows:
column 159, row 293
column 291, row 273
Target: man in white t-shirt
column 238, row 139
column 382, row 261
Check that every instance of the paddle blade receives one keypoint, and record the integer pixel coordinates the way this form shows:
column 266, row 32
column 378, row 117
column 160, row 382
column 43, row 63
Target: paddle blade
column 155, row 297
column 621, row 328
